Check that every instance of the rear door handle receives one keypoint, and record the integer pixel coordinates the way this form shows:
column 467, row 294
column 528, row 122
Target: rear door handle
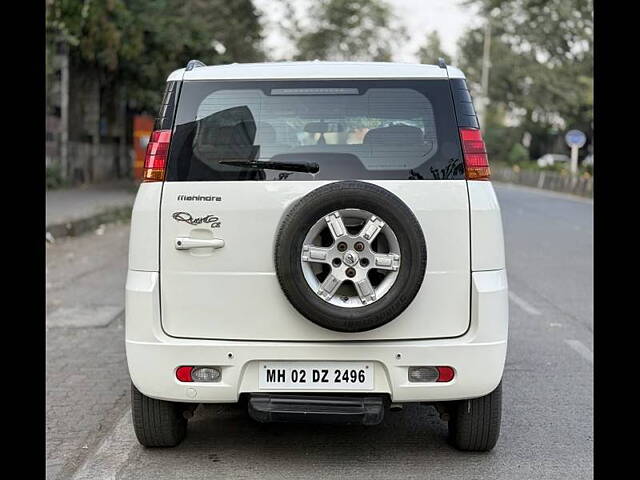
column 187, row 243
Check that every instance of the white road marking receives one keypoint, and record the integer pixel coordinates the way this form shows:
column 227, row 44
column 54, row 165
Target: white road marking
column 579, row 347
column 531, row 310
column 112, row 454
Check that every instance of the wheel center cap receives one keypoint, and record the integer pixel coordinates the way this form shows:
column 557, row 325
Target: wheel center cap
column 350, row 258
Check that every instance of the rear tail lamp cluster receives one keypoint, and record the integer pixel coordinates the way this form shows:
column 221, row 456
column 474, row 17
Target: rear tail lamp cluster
column 198, row 374
column 430, row 374
column 476, row 161
column 155, row 160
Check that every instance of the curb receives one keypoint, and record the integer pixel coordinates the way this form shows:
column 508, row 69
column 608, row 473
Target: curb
column 82, row 225
column 545, row 180
column 544, row 191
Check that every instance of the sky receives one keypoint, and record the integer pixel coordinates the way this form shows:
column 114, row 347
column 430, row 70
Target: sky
column 420, row 17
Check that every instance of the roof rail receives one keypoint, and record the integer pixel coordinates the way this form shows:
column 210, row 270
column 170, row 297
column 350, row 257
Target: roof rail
column 194, row 64
column 442, row 63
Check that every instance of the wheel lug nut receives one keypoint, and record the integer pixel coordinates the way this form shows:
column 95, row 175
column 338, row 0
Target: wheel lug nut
column 359, row 246
column 350, row 272
column 336, row 262
column 342, row 247
column 364, row 262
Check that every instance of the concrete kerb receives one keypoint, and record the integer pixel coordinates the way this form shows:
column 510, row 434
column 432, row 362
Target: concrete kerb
column 545, row 180
column 83, row 225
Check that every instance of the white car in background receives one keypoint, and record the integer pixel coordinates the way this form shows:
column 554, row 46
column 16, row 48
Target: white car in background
column 319, row 242
column 550, row 159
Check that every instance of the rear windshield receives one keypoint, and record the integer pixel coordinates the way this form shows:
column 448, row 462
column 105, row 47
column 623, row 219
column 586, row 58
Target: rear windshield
column 369, row 130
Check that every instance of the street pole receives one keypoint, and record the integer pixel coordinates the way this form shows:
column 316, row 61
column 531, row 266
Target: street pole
column 574, row 159
column 64, row 112
column 575, row 140
column 486, row 64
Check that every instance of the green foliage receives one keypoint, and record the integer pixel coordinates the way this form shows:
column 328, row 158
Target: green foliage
column 559, row 31
column 541, row 75
column 102, row 33
column 499, row 140
column 431, row 51
column 345, row 30
column 556, row 167
column 518, row 154
column 214, row 31
column 54, row 177
column 136, row 43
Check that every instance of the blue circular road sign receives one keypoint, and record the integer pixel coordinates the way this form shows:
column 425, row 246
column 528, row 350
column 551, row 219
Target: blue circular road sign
column 575, row 138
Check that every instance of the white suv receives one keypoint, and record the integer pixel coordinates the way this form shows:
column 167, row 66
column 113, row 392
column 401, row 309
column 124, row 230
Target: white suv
column 318, row 241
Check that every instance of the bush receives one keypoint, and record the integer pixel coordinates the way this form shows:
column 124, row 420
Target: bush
column 54, row 177
column 500, row 141
column 517, row 154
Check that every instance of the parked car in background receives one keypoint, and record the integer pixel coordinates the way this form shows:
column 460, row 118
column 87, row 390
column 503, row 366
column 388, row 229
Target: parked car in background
column 550, row 159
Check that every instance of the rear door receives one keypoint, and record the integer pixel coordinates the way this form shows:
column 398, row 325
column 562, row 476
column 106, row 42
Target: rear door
column 229, row 289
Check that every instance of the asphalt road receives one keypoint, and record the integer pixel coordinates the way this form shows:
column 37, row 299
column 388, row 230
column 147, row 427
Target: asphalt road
column 547, row 426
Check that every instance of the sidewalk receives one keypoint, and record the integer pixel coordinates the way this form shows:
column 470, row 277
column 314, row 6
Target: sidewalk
column 76, row 210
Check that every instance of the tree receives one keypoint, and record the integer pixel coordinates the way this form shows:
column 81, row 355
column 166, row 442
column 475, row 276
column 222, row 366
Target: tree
column 138, row 42
column 432, row 50
column 358, row 30
column 119, row 53
column 541, row 76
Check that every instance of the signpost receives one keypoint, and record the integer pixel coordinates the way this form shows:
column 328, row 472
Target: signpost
column 576, row 140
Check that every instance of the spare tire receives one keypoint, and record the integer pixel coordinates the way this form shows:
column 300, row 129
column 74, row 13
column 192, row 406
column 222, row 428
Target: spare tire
column 350, row 256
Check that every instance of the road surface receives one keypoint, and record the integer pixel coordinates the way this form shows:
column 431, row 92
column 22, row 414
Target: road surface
column 547, row 426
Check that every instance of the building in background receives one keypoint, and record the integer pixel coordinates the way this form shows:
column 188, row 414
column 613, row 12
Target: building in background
column 88, row 129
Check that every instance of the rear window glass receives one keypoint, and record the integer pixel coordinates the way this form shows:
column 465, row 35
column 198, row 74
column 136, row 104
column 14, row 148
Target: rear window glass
column 350, row 129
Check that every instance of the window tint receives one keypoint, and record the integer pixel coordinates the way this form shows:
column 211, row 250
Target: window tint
column 351, row 129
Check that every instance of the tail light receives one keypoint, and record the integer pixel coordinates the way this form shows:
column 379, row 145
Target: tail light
column 476, row 161
column 155, row 160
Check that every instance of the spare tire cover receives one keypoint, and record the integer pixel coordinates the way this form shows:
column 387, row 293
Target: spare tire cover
column 350, row 256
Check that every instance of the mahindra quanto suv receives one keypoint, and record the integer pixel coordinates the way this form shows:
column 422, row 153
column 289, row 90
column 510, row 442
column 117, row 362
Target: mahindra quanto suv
column 318, row 241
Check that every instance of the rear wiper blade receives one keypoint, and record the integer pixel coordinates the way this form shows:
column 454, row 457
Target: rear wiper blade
column 307, row 167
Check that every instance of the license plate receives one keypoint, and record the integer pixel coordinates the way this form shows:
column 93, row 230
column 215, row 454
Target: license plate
column 316, row 375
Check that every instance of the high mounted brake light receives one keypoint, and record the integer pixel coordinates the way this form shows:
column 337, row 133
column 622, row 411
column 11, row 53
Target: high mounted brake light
column 155, row 159
column 476, row 161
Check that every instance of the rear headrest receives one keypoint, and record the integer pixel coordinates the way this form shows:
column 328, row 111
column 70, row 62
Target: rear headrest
column 241, row 133
column 395, row 134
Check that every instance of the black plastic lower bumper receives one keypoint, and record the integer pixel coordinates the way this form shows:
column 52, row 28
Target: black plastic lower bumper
column 315, row 409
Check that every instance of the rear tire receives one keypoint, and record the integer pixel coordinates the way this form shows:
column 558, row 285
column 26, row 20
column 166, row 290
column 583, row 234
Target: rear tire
column 157, row 423
column 474, row 425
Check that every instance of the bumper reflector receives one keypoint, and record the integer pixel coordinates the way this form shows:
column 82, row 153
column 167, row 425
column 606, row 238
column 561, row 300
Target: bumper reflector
column 430, row 374
column 445, row 374
column 184, row 374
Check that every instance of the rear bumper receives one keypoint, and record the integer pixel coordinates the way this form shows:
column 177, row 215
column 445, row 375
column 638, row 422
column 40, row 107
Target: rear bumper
column 478, row 356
